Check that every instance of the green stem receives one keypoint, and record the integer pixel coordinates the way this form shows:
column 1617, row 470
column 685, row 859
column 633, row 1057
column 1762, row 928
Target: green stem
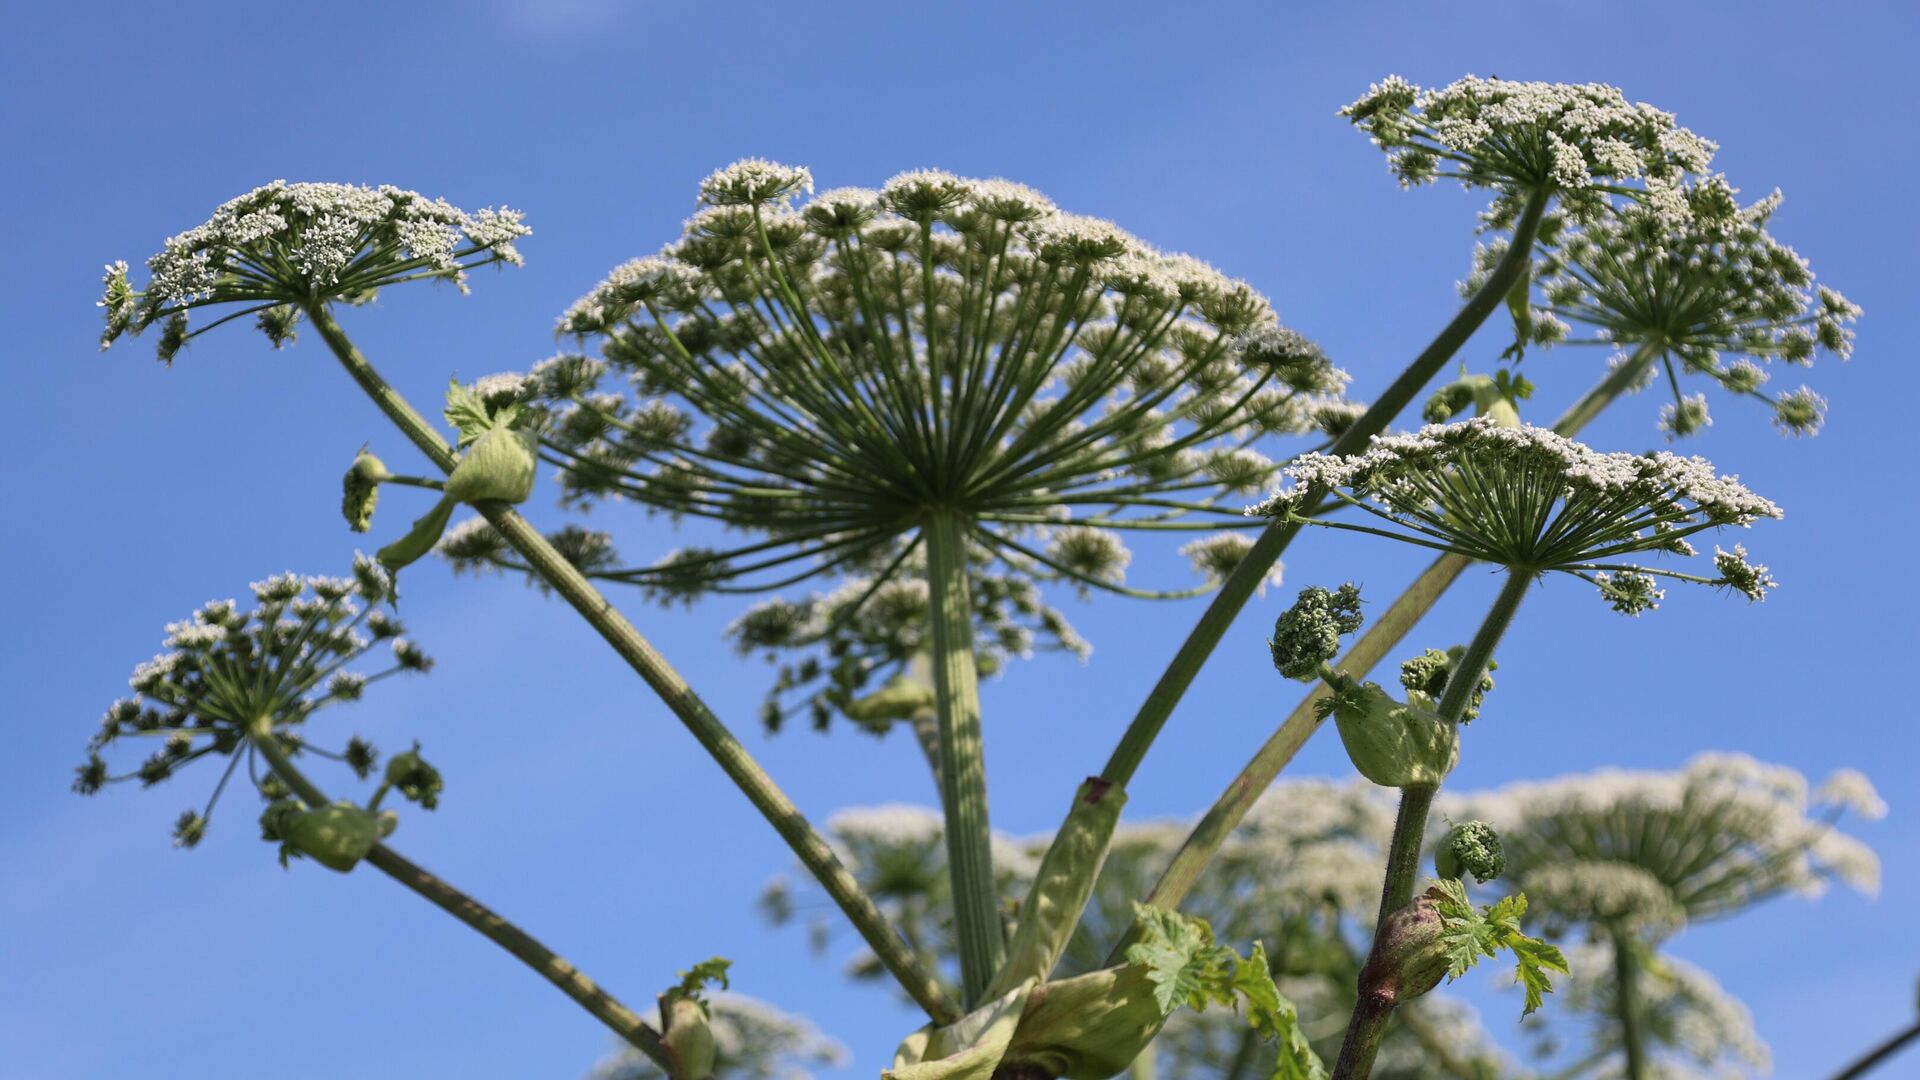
column 1252, row 570
column 1626, row 1001
column 523, row 946
column 1879, row 1053
column 963, row 776
column 599, row 612
column 1371, row 1010
column 1403, row 851
column 1381, row 638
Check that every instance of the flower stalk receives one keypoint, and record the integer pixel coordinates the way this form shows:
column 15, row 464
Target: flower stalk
column 963, row 779
column 627, row 641
column 1626, row 974
column 571, row 981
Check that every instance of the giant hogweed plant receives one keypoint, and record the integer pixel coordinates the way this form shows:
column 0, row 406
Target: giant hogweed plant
column 940, row 395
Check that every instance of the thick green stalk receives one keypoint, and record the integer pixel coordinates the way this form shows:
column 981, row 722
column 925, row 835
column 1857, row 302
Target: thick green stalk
column 599, row 612
column 1879, row 1053
column 523, row 946
column 1371, row 1011
column 1626, row 1001
column 963, row 771
column 1252, row 570
column 1381, row 638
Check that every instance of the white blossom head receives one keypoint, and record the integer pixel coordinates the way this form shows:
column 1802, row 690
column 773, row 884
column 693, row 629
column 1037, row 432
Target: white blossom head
column 279, row 249
column 1580, row 142
column 821, row 374
column 233, row 676
column 1563, row 507
column 1712, row 292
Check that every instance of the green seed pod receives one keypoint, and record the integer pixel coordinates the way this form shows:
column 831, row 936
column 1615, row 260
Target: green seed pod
column 337, row 837
column 902, row 698
column 1392, row 744
column 360, row 490
column 1409, row 956
column 1061, row 886
column 1473, row 848
column 687, row 1036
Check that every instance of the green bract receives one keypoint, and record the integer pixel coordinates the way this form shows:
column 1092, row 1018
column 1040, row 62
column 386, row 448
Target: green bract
column 1390, row 743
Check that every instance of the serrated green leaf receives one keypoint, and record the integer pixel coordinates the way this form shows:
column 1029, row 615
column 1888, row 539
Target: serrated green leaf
column 695, row 980
column 1181, row 959
column 1470, row 933
column 467, row 412
column 1275, row 1019
column 1536, row 958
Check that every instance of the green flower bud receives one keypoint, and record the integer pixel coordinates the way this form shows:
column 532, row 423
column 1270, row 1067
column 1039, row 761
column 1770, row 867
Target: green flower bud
column 1392, row 744
column 1308, row 634
column 687, row 1037
column 1471, row 848
column 410, row 774
column 337, row 837
column 1425, row 679
column 499, row 465
column 360, row 490
column 1409, row 955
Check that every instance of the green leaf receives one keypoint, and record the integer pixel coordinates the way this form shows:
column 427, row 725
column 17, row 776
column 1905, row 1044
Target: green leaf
column 694, row 981
column 1182, row 961
column 1470, row 933
column 1275, row 1019
column 467, row 412
column 1187, row 967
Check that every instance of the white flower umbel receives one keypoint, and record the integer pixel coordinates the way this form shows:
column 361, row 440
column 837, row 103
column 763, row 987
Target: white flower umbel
column 825, row 374
column 234, row 678
column 1585, row 142
column 1532, row 501
column 1709, row 294
column 283, row 248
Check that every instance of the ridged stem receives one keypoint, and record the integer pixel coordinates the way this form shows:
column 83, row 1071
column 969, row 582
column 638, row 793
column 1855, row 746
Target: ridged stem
column 1626, row 1003
column 523, row 946
column 963, row 773
column 812, row 850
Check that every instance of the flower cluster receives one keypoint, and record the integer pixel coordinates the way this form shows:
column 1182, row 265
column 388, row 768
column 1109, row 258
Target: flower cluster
column 1719, row 835
column 1583, row 142
column 231, row 678
column 283, row 247
column 824, row 374
column 1714, row 292
column 1533, row 501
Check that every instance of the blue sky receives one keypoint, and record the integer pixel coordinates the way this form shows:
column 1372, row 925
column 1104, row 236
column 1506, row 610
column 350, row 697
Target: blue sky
column 575, row 804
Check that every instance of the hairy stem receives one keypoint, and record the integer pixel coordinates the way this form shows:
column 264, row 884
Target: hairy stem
column 963, row 772
column 1880, row 1053
column 1370, row 1012
column 599, row 612
column 1381, row 638
column 523, row 946
column 1252, row 569
column 1626, row 1003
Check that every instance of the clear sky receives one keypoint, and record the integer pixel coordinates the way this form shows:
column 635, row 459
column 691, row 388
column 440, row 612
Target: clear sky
column 575, row 803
